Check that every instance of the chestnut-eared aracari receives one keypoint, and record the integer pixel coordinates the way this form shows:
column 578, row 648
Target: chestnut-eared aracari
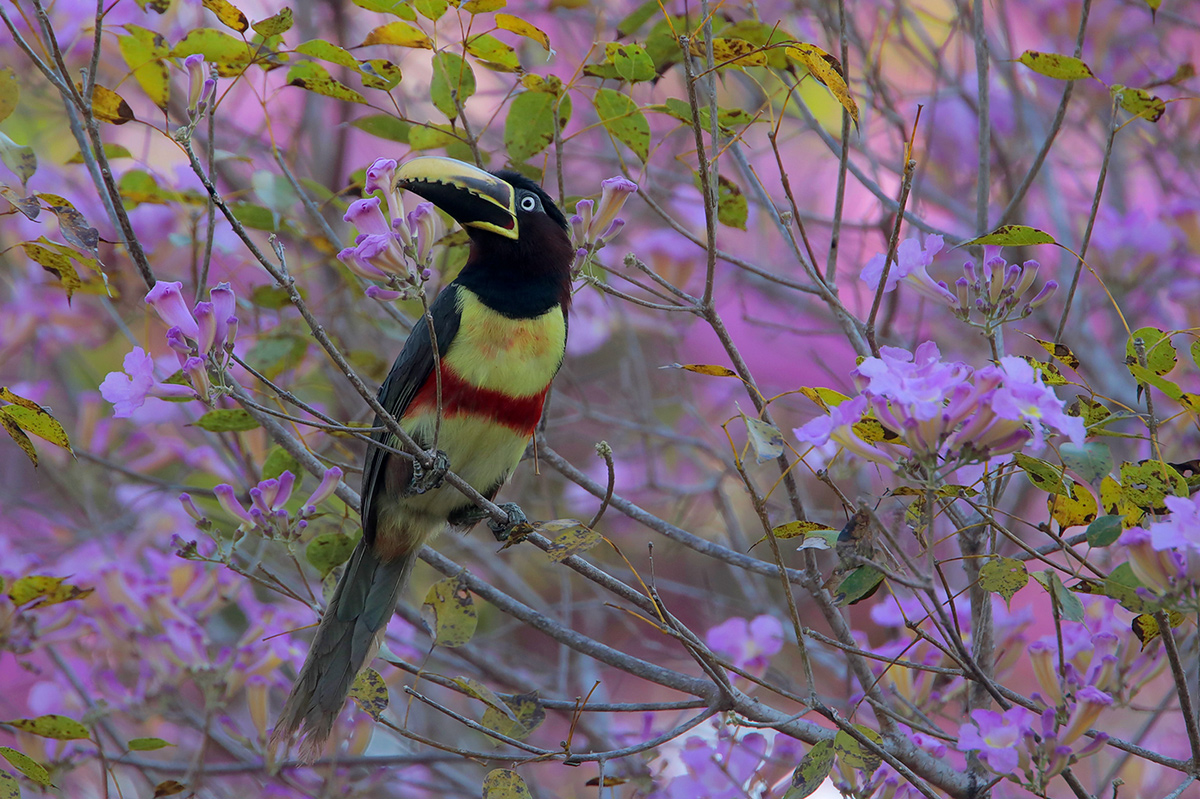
column 501, row 332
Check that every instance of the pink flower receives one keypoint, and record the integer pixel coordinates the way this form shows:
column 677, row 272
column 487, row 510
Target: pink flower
column 749, row 645
column 997, row 737
column 127, row 391
column 911, row 264
column 167, row 300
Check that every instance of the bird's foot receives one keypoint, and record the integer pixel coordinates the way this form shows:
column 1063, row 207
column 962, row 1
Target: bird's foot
column 516, row 524
column 427, row 479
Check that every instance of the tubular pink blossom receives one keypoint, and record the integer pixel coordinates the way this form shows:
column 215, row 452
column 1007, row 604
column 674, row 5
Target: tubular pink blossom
column 198, row 375
column 381, row 176
column 328, row 485
column 224, row 303
column 366, row 215
column 167, row 300
column 196, row 75
column 614, row 193
column 1091, row 702
column 189, row 507
column 206, row 321
column 229, row 502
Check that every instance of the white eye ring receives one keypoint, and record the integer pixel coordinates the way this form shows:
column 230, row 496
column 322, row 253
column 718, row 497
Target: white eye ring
column 528, row 203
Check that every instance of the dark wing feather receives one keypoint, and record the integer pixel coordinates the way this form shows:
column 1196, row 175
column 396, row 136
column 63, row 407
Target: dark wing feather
column 412, row 368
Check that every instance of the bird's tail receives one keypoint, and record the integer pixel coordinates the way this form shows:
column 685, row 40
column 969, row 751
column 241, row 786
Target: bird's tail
column 346, row 640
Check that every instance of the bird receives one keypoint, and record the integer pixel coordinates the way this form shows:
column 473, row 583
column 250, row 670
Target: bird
column 501, row 332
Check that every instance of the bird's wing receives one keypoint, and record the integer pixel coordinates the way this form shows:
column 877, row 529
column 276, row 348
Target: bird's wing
column 412, row 369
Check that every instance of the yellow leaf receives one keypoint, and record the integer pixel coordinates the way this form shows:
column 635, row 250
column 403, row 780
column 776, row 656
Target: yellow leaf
column 483, row 6
column 229, row 14
column 108, row 106
column 370, row 692
column 10, row 91
column 18, row 435
column 399, row 33
column 573, row 538
column 828, row 71
column 522, row 28
column 1075, row 510
column 706, row 369
column 451, row 608
column 731, row 52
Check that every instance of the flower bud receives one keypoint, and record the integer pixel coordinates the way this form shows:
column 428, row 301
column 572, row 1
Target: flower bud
column 224, row 303
column 189, row 507
column 1042, row 657
column 614, row 193
column 256, row 702
column 1048, row 289
column 382, row 295
column 197, row 374
column 196, row 75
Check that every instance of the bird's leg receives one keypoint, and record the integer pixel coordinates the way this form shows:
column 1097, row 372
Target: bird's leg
column 424, row 480
column 516, row 518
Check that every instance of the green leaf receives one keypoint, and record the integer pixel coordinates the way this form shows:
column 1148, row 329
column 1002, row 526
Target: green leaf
column 10, row 92
column 143, row 51
column 397, row 8
column 384, row 126
column 1160, row 352
column 278, row 461
column 452, row 79
column 227, row 420
column 529, row 127
column 494, row 53
column 1013, row 236
column 26, row 765
column 858, row 585
column 255, row 216
column 484, row 694
column 633, row 21
column 483, row 6
column 765, row 439
column 54, row 726
column 503, row 783
column 326, row 51
column 431, row 9
column 449, row 610
column 328, row 551
column 45, row 590
column 528, row 710
column 856, row 755
column 111, row 151
column 147, row 744
column 1069, row 605
column 624, row 120
column 1053, row 65
column 276, row 24
column 1139, row 102
column 9, row 787
column 370, row 692
column 732, row 207
column 813, row 769
column 231, row 55
column 570, row 537
column 1091, row 461
column 315, row 78
column 631, row 61
column 1003, row 576
column 19, row 158
column 1043, row 475
column 1105, row 530
column 55, row 263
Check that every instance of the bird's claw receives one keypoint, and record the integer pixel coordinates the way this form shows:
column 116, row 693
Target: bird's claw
column 427, row 479
column 516, row 521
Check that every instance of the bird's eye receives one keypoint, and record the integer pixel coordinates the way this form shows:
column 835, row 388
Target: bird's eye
column 529, row 202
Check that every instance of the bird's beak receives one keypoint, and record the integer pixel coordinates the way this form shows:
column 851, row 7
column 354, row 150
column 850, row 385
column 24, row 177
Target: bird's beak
column 472, row 197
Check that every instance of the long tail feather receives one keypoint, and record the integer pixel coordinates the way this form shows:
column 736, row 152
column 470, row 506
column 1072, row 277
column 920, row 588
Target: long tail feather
column 346, row 639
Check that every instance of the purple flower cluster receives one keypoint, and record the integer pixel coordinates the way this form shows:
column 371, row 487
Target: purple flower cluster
column 1035, row 745
column 748, row 644
column 941, row 409
column 388, row 243
column 592, row 225
column 201, row 338
column 997, row 292
column 268, row 512
column 730, row 766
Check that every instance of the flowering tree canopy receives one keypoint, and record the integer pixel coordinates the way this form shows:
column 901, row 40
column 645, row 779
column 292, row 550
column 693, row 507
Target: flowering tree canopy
column 872, row 469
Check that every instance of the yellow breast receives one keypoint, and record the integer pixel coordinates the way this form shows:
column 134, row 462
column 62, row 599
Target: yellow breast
column 518, row 357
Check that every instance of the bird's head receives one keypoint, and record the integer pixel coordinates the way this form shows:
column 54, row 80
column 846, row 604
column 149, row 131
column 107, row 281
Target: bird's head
column 520, row 240
column 499, row 203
